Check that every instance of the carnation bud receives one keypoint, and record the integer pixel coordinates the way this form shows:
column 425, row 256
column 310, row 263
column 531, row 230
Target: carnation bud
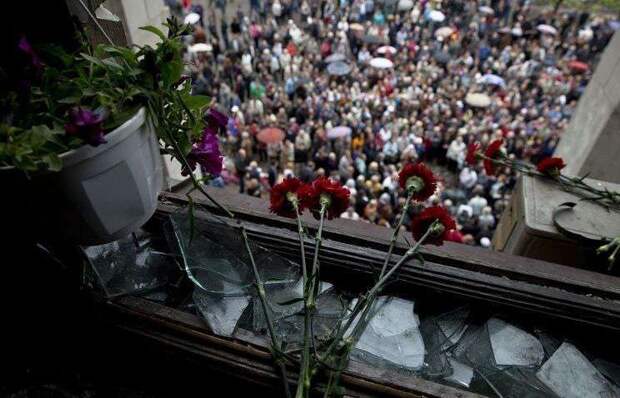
column 415, row 184
column 437, row 228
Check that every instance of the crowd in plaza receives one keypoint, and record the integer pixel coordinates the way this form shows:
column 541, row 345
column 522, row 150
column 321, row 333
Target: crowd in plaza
column 355, row 89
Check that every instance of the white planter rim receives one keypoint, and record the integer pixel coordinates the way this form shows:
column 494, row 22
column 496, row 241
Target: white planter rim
column 113, row 138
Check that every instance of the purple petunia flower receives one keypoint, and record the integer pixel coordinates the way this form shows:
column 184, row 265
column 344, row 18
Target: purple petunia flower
column 216, row 119
column 206, row 153
column 24, row 46
column 87, row 125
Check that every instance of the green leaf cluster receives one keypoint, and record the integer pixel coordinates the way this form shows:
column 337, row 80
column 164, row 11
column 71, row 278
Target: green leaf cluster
column 113, row 80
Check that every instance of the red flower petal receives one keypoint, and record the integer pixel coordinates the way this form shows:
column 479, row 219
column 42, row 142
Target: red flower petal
column 338, row 195
column 493, row 152
column 550, row 165
column 424, row 173
column 280, row 204
column 423, row 221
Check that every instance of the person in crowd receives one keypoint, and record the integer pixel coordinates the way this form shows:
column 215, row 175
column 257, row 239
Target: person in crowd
column 363, row 122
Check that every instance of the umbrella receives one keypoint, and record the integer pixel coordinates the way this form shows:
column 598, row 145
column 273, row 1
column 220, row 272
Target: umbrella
column 443, row 32
column 338, row 68
column 578, row 66
column 479, row 100
column 201, row 47
column 381, row 63
column 436, row 16
column 614, row 25
column 373, row 39
column 191, row 18
column 335, row 58
column 405, row 5
column 386, row 50
column 517, row 31
column 486, row 10
column 495, row 80
column 547, row 29
column 442, row 57
column 270, row 135
column 357, row 27
column 339, row 131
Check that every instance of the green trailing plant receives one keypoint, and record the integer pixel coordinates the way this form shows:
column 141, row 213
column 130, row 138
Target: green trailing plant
column 58, row 101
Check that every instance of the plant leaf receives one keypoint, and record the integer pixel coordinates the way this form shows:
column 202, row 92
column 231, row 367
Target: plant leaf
column 196, row 101
column 154, row 30
column 53, row 162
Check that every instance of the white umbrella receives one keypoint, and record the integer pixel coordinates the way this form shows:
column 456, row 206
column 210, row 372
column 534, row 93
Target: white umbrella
column 339, row 131
column 191, row 18
column 486, row 10
column 490, row 78
column 338, row 68
column 436, row 16
column 335, row 58
column 547, row 29
column 404, row 5
column 479, row 100
column 517, row 31
column 443, row 32
column 381, row 63
column 386, row 50
column 200, row 47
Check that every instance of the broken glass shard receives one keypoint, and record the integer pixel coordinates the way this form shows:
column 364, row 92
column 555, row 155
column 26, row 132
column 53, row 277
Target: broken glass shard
column 221, row 313
column 610, row 370
column 129, row 265
column 462, row 374
column 569, row 374
column 453, row 325
column 398, row 340
column 513, row 346
column 435, row 360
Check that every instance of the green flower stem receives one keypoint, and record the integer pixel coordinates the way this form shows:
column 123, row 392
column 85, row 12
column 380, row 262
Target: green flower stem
column 395, row 233
column 367, row 304
column 571, row 184
column 259, row 284
column 302, row 389
column 305, row 373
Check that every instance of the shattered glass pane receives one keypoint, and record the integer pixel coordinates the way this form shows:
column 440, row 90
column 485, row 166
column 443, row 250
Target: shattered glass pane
column 610, row 370
column 513, row 346
column 435, row 360
column 462, row 374
column 221, row 313
column 453, row 325
column 129, row 265
column 397, row 340
column 569, row 374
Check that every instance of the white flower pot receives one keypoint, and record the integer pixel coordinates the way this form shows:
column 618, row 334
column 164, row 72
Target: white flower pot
column 110, row 190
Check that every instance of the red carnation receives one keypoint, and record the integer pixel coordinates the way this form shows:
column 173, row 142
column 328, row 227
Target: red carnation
column 472, row 153
column 424, row 220
column 493, row 152
column 550, row 166
column 324, row 188
column 282, row 195
column 424, row 183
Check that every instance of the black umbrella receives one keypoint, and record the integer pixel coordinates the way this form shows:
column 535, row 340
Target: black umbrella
column 373, row 39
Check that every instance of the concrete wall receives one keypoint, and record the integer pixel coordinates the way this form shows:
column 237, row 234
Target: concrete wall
column 591, row 142
column 137, row 13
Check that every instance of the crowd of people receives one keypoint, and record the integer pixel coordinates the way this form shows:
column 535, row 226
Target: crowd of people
column 355, row 89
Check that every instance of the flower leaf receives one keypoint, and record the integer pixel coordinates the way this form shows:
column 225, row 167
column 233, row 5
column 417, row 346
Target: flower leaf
column 154, row 30
column 53, row 162
column 196, row 101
